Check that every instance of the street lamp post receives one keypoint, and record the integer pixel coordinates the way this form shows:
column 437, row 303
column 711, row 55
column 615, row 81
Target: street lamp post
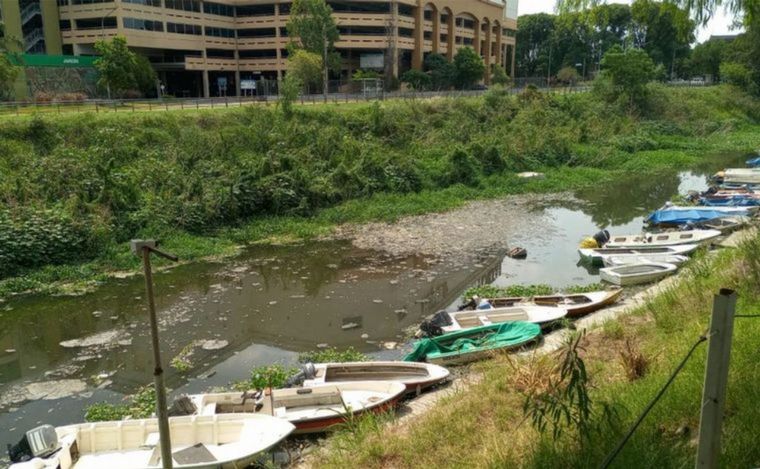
column 144, row 248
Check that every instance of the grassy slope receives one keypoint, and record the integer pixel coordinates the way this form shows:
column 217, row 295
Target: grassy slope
column 591, row 144
column 485, row 426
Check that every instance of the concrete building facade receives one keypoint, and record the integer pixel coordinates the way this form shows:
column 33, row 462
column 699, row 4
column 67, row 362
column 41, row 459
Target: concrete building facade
column 208, row 48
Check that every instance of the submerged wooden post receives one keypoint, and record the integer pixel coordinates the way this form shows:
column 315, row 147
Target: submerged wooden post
column 143, row 248
column 716, row 379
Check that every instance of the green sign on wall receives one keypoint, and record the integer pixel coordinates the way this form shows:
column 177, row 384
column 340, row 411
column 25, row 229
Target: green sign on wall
column 41, row 60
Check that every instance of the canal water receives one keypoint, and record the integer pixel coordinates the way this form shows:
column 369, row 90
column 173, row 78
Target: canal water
column 60, row 354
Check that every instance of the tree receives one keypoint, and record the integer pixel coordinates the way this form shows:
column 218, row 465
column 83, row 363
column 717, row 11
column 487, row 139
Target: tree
column 416, row 79
column 568, row 75
column 120, row 69
column 499, row 75
column 290, row 88
column 533, row 44
column 628, row 73
column 736, row 74
column 312, row 23
column 707, row 57
column 8, row 71
column 703, row 10
column 441, row 72
column 469, row 68
column 664, row 31
column 307, row 67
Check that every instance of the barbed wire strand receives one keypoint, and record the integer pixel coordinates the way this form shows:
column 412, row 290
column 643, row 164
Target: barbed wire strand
column 611, row 457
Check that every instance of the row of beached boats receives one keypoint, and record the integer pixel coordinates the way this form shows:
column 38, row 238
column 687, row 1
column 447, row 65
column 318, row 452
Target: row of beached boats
column 230, row 429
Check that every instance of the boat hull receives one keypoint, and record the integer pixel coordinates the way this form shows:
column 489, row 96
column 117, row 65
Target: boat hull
column 596, row 256
column 636, row 274
column 676, row 238
column 576, row 305
column 417, row 377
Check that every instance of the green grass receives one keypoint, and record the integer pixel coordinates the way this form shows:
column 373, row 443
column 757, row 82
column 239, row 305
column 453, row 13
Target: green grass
column 484, row 426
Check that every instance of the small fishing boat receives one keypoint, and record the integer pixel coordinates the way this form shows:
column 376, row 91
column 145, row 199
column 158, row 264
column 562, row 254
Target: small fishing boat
column 726, row 224
column 672, row 238
column 612, row 261
column 675, row 216
column 312, row 409
column 468, row 345
column 596, row 256
column 544, row 316
column 415, row 376
column 740, row 176
column 634, row 274
column 208, row 441
column 576, row 304
column 734, row 201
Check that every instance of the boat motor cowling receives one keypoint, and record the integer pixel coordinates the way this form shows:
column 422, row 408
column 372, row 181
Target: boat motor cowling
column 602, row 238
column 308, row 371
column 38, row 442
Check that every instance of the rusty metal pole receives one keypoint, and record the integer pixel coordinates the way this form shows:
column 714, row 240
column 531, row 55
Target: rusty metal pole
column 144, row 248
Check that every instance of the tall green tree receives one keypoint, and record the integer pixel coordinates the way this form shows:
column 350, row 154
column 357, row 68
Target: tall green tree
column 8, row 71
column 664, row 31
column 534, row 38
column 706, row 58
column 469, row 68
column 441, row 72
column 627, row 72
column 311, row 23
column 307, row 67
column 120, row 69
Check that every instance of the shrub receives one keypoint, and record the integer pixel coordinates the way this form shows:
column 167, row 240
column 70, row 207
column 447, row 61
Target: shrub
column 332, row 355
column 43, row 97
column 463, row 168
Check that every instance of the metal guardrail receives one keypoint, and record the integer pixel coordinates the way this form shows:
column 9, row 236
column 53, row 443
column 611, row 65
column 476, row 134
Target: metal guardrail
column 135, row 105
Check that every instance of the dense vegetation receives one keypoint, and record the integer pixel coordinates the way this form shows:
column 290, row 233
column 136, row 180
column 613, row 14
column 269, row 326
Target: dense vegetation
column 627, row 361
column 75, row 187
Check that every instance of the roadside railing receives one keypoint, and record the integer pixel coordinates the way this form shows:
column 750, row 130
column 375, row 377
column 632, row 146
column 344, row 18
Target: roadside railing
column 169, row 104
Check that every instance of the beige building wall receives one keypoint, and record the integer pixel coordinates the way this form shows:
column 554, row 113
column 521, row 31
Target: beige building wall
column 408, row 31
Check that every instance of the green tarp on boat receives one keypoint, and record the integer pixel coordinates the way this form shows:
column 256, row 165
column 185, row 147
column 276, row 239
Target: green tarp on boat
column 454, row 346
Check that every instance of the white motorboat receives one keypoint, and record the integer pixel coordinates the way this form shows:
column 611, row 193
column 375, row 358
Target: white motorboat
column 208, row 441
column 596, row 256
column 415, row 376
column 634, row 274
column 671, row 238
column 312, row 409
column 612, row 261
column 541, row 315
column 726, row 224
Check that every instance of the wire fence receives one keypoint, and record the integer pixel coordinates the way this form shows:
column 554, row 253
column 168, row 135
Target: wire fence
column 268, row 99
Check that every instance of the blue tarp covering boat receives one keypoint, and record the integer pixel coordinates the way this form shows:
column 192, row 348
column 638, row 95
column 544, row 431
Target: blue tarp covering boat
column 754, row 162
column 681, row 217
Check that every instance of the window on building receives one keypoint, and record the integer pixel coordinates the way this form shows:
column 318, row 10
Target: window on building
column 405, row 10
column 258, row 54
column 181, row 28
column 220, row 9
column 220, row 53
column 405, row 32
column 220, row 32
column 362, row 30
column 89, row 2
column 283, row 32
column 148, row 3
column 428, row 15
column 258, row 32
column 428, row 35
column 256, row 10
column 184, row 5
column 143, row 25
column 444, row 38
column 355, row 7
column 96, row 23
column 64, row 25
column 68, row 49
column 63, row 3
column 285, row 8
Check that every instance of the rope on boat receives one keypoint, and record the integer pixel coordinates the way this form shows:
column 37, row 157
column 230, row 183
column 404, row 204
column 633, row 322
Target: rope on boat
column 611, row 457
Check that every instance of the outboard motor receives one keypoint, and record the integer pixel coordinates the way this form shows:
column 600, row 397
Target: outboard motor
column 38, row 442
column 434, row 327
column 308, row 371
column 602, row 238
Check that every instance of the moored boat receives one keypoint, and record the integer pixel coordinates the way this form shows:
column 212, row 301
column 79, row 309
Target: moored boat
column 675, row 216
column 612, row 261
column 726, row 224
column 544, row 316
column 576, row 304
column 415, row 376
column 671, row 238
column 596, row 256
column 209, row 441
column 634, row 274
column 311, row 409
column 468, row 345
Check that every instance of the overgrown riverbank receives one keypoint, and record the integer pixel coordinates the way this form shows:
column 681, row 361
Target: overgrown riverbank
column 75, row 189
column 627, row 361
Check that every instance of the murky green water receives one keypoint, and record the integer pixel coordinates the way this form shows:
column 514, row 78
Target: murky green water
column 273, row 302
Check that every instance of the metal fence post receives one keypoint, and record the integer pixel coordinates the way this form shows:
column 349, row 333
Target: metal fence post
column 716, row 379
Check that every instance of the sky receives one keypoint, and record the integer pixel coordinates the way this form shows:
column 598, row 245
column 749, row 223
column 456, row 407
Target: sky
column 720, row 24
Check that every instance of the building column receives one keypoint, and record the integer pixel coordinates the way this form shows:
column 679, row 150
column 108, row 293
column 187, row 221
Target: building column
column 499, row 45
column 452, row 36
column 419, row 34
column 436, row 31
column 394, row 15
column 51, row 27
column 206, row 84
column 487, row 52
column 478, row 35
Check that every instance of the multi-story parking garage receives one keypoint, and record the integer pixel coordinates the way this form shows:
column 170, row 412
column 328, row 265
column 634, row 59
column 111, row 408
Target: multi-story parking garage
column 206, row 48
